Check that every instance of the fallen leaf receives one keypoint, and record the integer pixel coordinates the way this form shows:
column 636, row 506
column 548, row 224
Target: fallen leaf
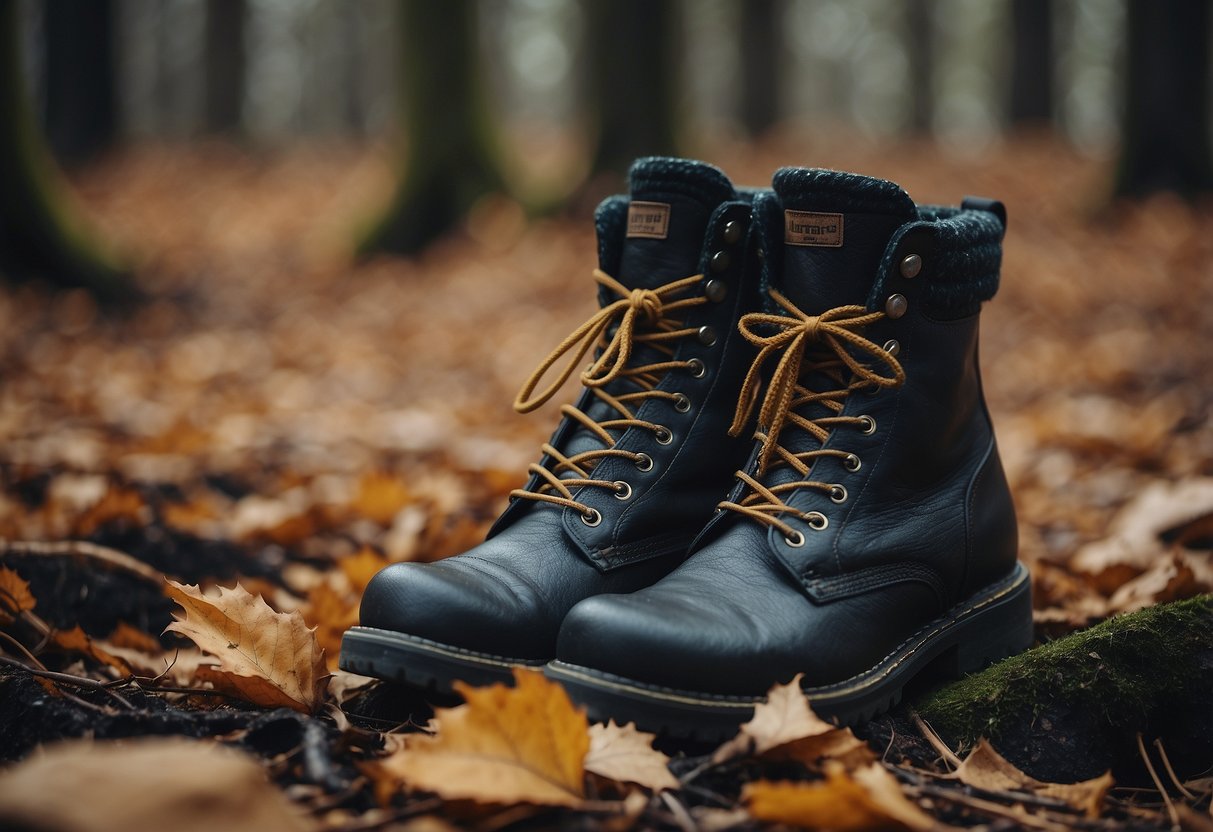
column 267, row 658
column 785, row 726
column 1170, row 579
column 380, row 496
column 119, row 506
column 76, row 640
column 361, row 566
column 154, row 783
column 868, row 798
column 330, row 612
column 521, row 744
column 15, row 596
column 124, row 635
column 985, row 768
column 625, row 754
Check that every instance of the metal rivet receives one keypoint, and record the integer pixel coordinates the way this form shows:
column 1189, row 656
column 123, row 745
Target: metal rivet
column 662, row 435
column 868, row 425
column 816, row 520
column 851, row 462
column 592, row 517
column 697, row 368
column 762, row 254
column 622, row 490
column 795, row 539
column 716, row 290
column 720, row 261
column 707, row 336
column 896, row 306
column 838, row 493
column 911, row 265
column 732, row 232
column 681, row 403
column 892, row 347
column 644, row 462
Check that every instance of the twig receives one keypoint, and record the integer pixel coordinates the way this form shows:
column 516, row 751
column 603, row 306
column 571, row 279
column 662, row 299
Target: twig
column 23, row 649
column 928, row 733
column 82, row 548
column 69, row 679
column 1166, row 798
column 681, row 816
column 989, row 807
column 916, row 776
column 1166, row 762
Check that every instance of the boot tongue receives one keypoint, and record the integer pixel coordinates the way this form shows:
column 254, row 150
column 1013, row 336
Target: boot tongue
column 836, row 228
column 671, row 202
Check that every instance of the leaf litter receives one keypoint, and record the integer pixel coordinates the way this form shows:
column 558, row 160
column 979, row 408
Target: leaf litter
column 300, row 430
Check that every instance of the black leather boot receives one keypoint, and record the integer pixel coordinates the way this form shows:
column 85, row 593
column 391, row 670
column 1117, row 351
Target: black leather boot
column 872, row 533
column 636, row 466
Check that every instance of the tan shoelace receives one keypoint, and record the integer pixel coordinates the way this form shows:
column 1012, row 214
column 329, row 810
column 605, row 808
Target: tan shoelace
column 643, row 316
column 831, row 337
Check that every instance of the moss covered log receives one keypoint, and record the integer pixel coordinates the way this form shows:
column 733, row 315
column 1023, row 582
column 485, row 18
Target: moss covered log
column 1073, row 707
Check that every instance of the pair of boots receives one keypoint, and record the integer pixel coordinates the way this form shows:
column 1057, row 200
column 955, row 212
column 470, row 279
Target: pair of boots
column 781, row 463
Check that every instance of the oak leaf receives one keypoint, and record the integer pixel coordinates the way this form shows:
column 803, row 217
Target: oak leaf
column 621, row 752
column 15, row 595
column 985, row 768
column 142, row 784
column 76, row 640
column 867, row 798
column 785, row 726
column 265, row 657
column 521, row 744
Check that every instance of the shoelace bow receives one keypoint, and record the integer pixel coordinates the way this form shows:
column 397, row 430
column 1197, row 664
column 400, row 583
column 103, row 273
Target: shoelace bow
column 640, row 316
column 809, row 344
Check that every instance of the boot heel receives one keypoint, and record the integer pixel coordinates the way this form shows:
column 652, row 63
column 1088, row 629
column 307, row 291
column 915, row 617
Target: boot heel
column 1001, row 629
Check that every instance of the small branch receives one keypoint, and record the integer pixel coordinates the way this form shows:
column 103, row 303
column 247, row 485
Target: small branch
column 23, row 649
column 82, row 549
column 1166, row 798
column 681, row 816
column 1166, row 762
column 928, row 733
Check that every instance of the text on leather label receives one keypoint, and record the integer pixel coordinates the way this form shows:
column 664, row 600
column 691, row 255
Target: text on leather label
column 649, row 219
column 802, row 228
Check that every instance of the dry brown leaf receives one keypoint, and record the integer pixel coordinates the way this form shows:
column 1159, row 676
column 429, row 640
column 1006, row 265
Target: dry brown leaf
column 985, row 768
column 361, row 566
column 119, row 506
column 625, row 754
column 267, row 658
column 160, row 783
column 1170, row 579
column 330, row 612
column 15, row 596
column 76, row 640
column 380, row 496
column 785, row 726
column 124, row 635
column 521, row 744
column 868, row 798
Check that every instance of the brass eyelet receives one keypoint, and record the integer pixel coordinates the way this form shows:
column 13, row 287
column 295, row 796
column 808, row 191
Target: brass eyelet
column 622, row 490
column 592, row 517
column 816, row 520
column 663, row 435
column 838, row 493
column 868, row 425
column 644, row 462
column 681, row 403
column 852, row 463
column 795, row 539
column 697, row 368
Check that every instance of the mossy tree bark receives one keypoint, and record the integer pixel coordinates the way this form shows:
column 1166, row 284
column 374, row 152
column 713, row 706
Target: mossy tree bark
column 40, row 235
column 450, row 156
column 1071, row 709
column 634, row 49
column 1167, row 144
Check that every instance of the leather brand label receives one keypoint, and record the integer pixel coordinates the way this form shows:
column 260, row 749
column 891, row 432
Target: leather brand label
column 802, row 228
column 649, row 219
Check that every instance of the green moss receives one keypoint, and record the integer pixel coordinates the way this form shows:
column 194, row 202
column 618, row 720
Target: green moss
column 1117, row 672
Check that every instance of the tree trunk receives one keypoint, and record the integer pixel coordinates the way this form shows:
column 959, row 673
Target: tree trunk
column 225, row 65
column 40, row 236
column 1166, row 139
column 81, row 112
column 450, row 154
column 761, row 47
column 920, row 34
column 1031, row 61
column 633, row 47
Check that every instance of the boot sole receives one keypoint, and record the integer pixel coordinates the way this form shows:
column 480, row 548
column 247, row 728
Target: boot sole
column 994, row 624
column 421, row 663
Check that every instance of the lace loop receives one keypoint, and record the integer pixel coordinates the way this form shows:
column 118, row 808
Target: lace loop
column 638, row 316
column 827, row 343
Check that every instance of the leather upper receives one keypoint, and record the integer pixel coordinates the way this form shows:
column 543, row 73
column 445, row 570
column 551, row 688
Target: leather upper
column 927, row 520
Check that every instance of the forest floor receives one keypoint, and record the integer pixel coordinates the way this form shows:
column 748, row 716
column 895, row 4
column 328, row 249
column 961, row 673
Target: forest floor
column 277, row 416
